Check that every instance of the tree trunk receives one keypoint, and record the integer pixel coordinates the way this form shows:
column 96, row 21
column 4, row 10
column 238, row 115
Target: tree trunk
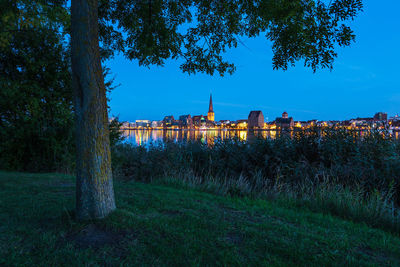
column 94, row 186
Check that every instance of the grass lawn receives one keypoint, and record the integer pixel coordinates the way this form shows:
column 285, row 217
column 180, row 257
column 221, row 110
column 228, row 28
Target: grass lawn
column 160, row 225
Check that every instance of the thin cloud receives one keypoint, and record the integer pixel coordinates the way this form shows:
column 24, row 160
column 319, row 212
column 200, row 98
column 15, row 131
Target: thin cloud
column 199, row 102
column 224, row 104
column 303, row 111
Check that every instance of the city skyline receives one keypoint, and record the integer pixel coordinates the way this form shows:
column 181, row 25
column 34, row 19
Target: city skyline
column 363, row 81
column 256, row 120
column 209, row 115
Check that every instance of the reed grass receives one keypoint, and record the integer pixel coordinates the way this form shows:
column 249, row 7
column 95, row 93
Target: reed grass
column 329, row 171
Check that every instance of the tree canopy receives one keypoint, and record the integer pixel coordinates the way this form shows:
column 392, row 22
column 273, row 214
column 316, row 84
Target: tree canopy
column 200, row 31
column 36, row 112
column 36, row 109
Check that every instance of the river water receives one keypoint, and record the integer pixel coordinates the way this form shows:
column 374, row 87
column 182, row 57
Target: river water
column 145, row 137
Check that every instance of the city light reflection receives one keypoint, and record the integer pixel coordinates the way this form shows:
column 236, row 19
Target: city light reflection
column 144, row 137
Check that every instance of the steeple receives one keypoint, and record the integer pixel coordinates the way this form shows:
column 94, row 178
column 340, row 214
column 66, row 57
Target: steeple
column 210, row 108
column 210, row 114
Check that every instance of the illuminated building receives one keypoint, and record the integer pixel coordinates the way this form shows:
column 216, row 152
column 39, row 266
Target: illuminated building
column 199, row 121
column 395, row 118
column 210, row 114
column 143, row 123
column 156, row 124
column 185, row 121
column 362, row 123
column 127, row 125
column 395, row 124
column 285, row 121
column 168, row 121
column 380, row 116
column 256, row 119
column 224, row 123
column 175, row 125
column 241, row 124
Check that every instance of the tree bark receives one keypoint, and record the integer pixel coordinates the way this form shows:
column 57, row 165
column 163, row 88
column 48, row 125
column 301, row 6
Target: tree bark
column 94, row 185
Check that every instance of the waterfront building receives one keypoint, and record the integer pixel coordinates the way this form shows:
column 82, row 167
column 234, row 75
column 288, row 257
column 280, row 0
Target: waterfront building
column 175, row 124
column 312, row 123
column 395, row 125
column 298, row 124
column 168, row 121
column 270, row 125
column 210, row 114
column 127, row 125
column 143, row 123
column 363, row 123
column 185, row 121
column 256, row 119
column 322, row 124
column 241, row 124
column 199, row 121
column 285, row 121
column 224, row 123
column 381, row 116
column 156, row 124
column 210, row 124
column 395, row 118
column 334, row 124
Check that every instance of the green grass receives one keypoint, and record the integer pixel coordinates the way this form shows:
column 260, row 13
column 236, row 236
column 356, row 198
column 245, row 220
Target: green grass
column 162, row 225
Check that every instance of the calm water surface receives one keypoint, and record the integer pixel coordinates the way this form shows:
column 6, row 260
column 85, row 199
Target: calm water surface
column 145, row 137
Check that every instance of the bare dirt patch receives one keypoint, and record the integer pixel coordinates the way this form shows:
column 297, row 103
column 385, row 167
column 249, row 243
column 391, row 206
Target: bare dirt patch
column 93, row 236
column 234, row 238
column 377, row 255
column 171, row 213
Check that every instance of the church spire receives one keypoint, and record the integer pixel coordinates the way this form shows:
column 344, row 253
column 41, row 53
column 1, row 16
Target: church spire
column 210, row 108
column 210, row 114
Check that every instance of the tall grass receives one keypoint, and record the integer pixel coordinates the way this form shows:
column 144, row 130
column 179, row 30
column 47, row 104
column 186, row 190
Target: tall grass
column 334, row 171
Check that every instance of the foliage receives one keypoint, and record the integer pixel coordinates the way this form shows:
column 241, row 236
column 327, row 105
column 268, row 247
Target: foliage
column 36, row 112
column 165, row 226
column 116, row 136
column 35, row 102
column 21, row 16
column 200, row 31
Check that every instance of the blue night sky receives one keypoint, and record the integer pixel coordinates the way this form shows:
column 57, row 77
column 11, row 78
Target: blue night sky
column 365, row 79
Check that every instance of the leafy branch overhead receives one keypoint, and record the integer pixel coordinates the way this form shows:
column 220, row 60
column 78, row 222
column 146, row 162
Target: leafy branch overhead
column 200, row 31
